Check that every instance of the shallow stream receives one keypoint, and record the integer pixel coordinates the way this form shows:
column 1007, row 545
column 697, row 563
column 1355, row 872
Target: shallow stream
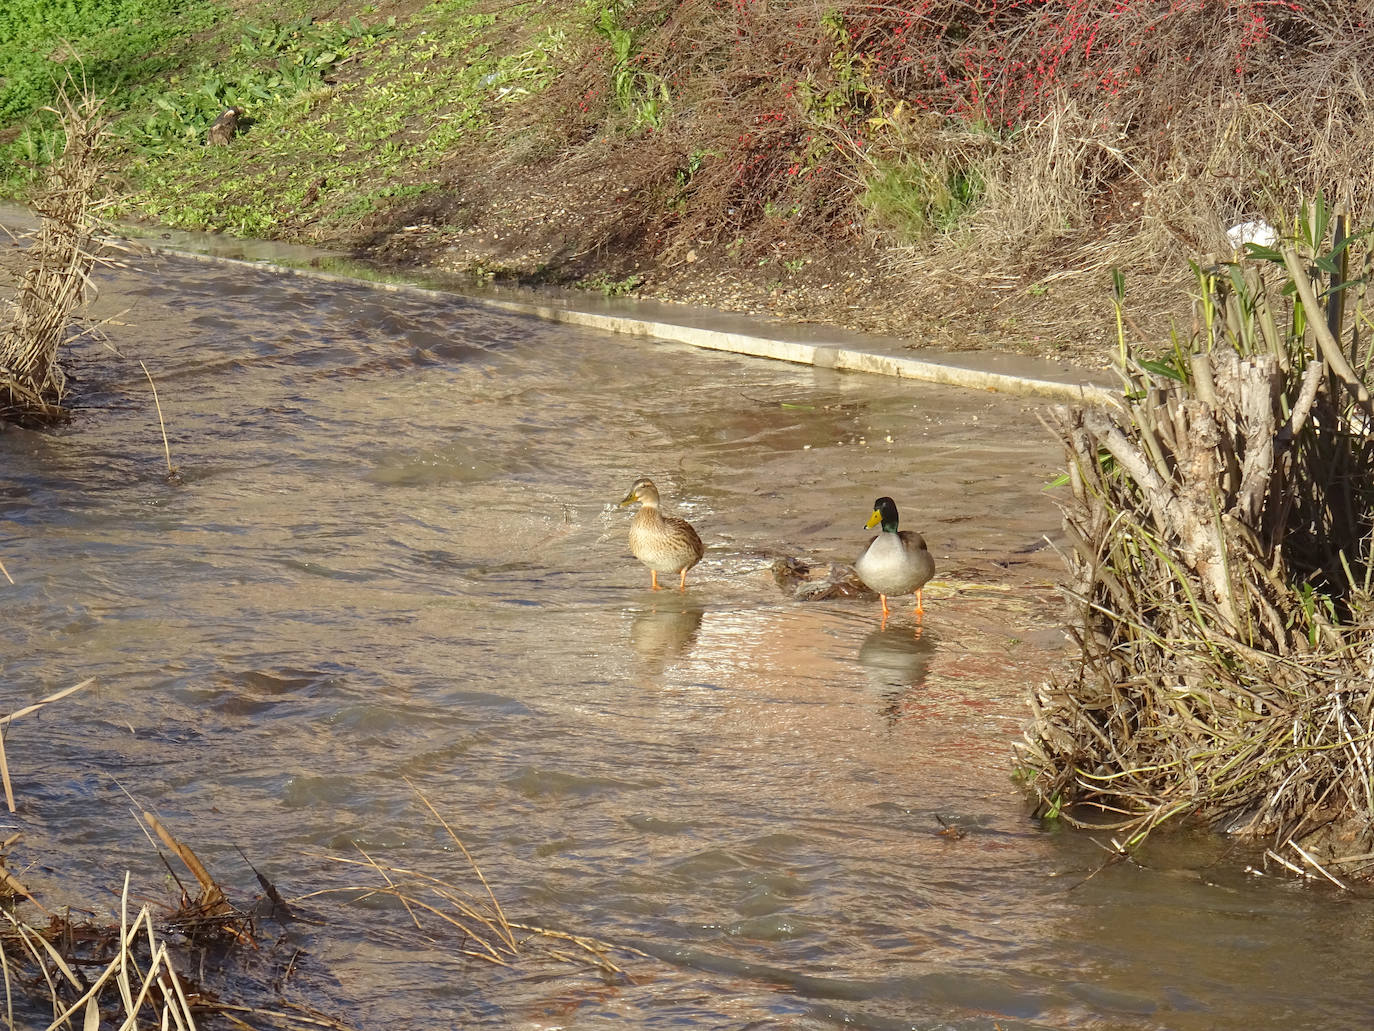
column 393, row 555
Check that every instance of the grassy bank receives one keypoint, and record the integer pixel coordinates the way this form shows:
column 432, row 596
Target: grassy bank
column 961, row 173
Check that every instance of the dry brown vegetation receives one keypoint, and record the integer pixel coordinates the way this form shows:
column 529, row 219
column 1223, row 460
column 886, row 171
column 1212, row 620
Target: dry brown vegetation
column 57, row 282
column 969, row 149
column 1219, row 535
column 133, row 968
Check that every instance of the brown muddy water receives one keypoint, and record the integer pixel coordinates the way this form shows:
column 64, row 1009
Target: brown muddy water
column 394, row 553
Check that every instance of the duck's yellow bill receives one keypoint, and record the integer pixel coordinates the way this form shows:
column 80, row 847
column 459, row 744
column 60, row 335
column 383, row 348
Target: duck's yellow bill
column 873, row 520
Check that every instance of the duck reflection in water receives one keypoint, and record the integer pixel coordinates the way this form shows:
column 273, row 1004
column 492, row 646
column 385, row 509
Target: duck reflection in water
column 665, row 630
column 896, row 662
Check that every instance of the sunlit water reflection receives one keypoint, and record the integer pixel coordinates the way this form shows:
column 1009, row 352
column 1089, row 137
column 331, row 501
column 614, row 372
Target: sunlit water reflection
column 393, row 553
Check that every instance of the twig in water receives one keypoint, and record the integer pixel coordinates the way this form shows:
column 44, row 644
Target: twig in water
column 171, row 470
column 1270, row 853
column 1312, row 862
column 6, row 720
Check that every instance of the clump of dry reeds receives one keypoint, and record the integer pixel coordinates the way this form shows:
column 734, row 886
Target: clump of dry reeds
column 125, row 969
column 132, row 971
column 1220, row 571
column 57, row 281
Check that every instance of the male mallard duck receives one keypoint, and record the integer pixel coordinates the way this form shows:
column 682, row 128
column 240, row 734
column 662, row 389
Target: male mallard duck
column 896, row 561
column 663, row 543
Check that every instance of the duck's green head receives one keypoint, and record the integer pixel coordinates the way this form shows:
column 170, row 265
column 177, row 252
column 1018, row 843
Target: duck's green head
column 884, row 512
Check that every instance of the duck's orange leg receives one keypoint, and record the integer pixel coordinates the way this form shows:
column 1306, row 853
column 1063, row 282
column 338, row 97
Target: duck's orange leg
column 920, row 609
column 682, row 581
column 653, row 578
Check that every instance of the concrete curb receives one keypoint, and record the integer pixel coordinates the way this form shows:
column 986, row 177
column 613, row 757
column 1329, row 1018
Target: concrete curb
column 825, row 356
column 850, row 352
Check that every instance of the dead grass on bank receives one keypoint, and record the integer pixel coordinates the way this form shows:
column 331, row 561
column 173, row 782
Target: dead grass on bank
column 1138, row 152
column 1220, row 591
column 1153, row 175
column 57, row 282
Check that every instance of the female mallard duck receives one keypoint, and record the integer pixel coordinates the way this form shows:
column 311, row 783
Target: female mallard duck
column 663, row 543
column 896, row 561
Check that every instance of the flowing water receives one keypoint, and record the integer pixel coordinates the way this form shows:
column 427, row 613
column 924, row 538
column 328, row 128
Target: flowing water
column 393, row 555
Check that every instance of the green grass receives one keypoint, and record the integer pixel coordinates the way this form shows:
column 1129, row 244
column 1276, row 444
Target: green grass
column 910, row 198
column 350, row 116
column 429, row 86
column 109, row 45
column 117, row 41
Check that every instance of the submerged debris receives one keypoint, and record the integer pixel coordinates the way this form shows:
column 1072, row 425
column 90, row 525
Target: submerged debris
column 807, row 582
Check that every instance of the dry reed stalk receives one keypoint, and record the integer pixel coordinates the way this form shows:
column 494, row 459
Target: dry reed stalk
column 481, row 920
column 11, row 887
column 210, row 914
column 496, row 906
column 166, row 448
column 57, row 283
column 5, row 721
column 5, row 774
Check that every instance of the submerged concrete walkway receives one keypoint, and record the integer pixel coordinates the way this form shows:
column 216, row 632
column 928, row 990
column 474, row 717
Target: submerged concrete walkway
column 823, row 347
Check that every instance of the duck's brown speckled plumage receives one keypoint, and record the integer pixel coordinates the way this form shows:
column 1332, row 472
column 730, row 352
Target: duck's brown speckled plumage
column 665, row 544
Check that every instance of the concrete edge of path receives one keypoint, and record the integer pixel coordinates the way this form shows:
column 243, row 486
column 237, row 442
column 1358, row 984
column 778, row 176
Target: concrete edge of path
column 851, row 353
column 825, row 356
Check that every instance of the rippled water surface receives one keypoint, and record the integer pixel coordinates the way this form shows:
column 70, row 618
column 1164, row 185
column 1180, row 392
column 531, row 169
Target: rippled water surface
column 393, row 554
